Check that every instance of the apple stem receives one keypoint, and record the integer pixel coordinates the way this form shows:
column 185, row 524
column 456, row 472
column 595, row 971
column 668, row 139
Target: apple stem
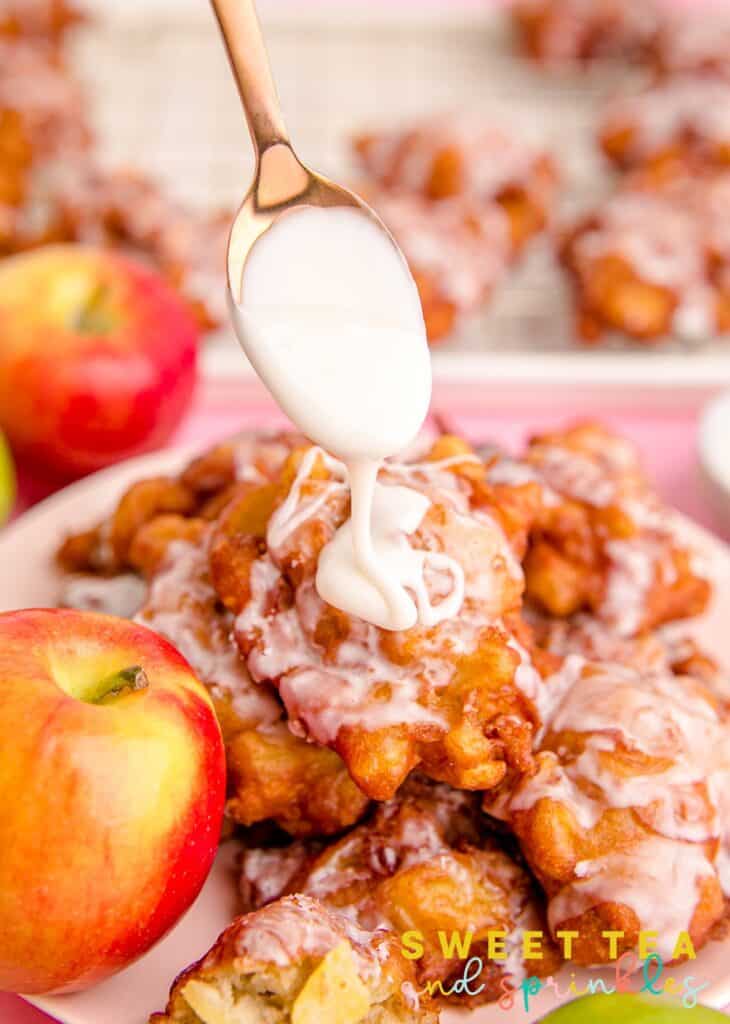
column 128, row 680
column 92, row 319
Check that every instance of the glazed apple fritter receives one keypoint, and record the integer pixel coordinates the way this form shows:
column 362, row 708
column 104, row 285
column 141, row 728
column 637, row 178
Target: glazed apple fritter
column 53, row 188
column 200, row 492
column 295, row 961
column 424, row 862
column 587, row 724
column 653, row 262
column 272, row 774
column 454, row 699
column 603, row 542
column 449, row 157
column 674, row 126
column 668, row 649
column 44, row 134
column 38, row 20
column 686, row 44
column 458, row 251
column 566, row 31
column 622, row 808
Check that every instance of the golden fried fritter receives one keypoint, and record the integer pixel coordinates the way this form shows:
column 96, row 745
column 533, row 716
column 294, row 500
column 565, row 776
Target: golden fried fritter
column 670, row 128
column 611, row 776
column 424, row 863
column 603, row 540
column 46, row 20
column 619, row 817
column 653, row 262
column 690, row 45
column 214, row 478
column 668, row 649
column 458, row 251
column 448, row 157
column 295, row 961
column 560, row 31
column 150, row 544
column 455, row 698
column 44, row 133
column 275, row 775
column 272, row 774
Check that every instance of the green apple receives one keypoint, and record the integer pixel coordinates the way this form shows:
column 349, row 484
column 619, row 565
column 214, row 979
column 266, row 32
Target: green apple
column 631, row 1009
column 7, row 481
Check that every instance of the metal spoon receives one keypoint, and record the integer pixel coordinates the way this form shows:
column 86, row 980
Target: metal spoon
column 281, row 181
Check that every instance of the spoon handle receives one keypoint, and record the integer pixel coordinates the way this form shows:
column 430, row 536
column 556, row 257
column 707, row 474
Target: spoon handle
column 247, row 53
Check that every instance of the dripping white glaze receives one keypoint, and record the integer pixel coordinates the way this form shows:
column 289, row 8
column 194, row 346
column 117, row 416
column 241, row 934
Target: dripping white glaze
column 362, row 554
column 331, row 320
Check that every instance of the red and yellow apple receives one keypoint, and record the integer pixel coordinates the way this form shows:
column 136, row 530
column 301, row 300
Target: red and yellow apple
column 112, row 786
column 97, row 357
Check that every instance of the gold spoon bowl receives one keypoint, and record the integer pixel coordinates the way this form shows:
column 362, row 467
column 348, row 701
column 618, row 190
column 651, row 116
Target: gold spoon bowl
column 281, row 181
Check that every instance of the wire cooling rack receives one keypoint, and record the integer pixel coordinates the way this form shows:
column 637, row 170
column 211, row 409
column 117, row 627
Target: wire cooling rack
column 164, row 100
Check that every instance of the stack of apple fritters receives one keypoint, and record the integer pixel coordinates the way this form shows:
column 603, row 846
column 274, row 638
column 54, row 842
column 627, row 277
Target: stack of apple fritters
column 524, row 766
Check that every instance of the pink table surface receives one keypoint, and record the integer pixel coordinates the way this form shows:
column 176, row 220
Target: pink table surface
column 666, row 437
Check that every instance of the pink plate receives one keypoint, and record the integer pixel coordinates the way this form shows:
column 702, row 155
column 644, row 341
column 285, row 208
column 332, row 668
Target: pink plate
column 29, row 579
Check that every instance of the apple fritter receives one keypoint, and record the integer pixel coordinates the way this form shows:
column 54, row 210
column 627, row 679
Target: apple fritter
column 44, row 134
column 620, row 817
column 272, row 774
column 267, row 872
column 148, row 515
column 457, row 250
column 567, row 31
column 150, row 544
column 53, row 188
column 183, row 606
column 423, row 863
column 603, row 542
column 38, row 19
column 296, row 961
column 451, row 156
column 673, row 126
column 456, row 699
column 669, row 649
column 653, row 262
column 692, row 45
column 305, row 789
column 249, row 458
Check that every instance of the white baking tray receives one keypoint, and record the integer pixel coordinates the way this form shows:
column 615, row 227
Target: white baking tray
column 164, row 99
